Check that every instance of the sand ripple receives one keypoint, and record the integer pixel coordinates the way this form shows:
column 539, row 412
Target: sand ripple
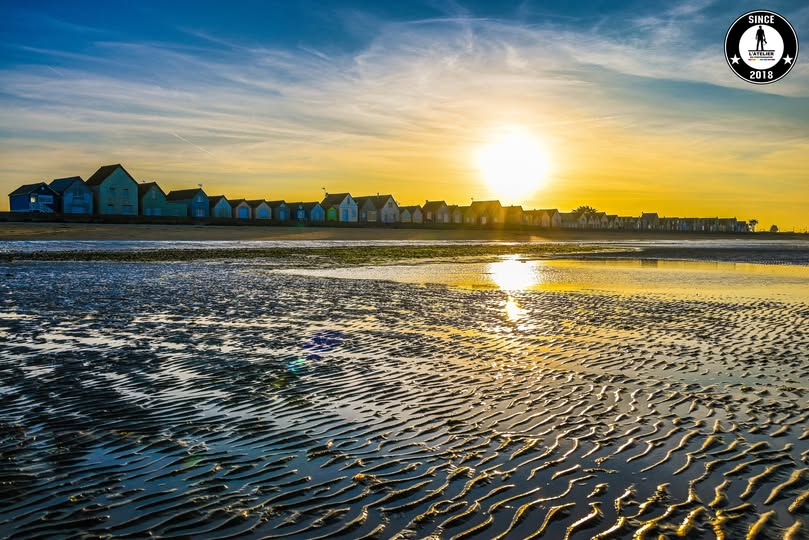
column 216, row 400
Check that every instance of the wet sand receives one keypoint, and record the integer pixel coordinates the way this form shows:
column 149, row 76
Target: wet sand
column 219, row 400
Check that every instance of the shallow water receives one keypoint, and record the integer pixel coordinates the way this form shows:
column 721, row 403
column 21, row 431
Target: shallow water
column 214, row 400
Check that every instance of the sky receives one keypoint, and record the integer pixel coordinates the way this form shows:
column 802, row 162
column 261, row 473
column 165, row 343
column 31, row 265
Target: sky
column 632, row 104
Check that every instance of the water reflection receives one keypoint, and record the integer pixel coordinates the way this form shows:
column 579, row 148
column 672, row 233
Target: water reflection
column 511, row 274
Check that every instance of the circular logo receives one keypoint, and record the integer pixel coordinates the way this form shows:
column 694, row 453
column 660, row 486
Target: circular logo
column 761, row 47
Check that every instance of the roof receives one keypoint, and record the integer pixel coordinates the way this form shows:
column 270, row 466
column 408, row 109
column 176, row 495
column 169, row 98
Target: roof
column 649, row 215
column 183, row 194
column 484, row 206
column 28, row 188
column 569, row 217
column 432, row 206
column 275, row 204
column 59, row 185
column 256, row 202
column 411, row 209
column 379, row 201
column 102, row 173
column 144, row 187
column 333, row 199
column 236, row 202
column 549, row 210
column 214, row 199
column 512, row 209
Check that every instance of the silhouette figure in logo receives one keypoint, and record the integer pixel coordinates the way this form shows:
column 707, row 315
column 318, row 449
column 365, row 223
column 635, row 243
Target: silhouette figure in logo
column 760, row 39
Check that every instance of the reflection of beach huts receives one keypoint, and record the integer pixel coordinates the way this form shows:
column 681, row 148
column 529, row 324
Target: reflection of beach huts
column 195, row 201
column 306, row 211
column 487, row 212
column 435, row 212
column 377, row 209
column 37, row 197
column 74, row 195
column 115, row 191
column 260, row 209
column 219, row 207
column 153, row 202
column 280, row 210
column 410, row 214
column 340, row 207
column 240, row 209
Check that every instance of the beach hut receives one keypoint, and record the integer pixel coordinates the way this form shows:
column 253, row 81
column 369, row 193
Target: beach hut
column 37, row 197
column 280, row 210
column 344, row 205
column 487, row 212
column 195, row 201
column 74, row 195
column 410, row 214
column 219, row 207
column 306, row 211
column 514, row 215
column 550, row 218
column 435, row 212
column 377, row 209
column 240, row 209
column 570, row 220
column 455, row 214
column 649, row 221
column 260, row 209
column 115, row 191
column 152, row 201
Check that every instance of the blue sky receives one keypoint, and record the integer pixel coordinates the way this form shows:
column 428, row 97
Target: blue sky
column 280, row 98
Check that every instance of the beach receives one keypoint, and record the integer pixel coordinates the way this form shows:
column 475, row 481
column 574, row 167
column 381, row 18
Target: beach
column 584, row 390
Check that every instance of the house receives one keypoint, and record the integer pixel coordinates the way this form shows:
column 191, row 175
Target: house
column 195, row 201
column 628, row 222
column 306, row 211
column 342, row 206
column 455, row 213
column 377, row 209
column 550, row 218
column 37, row 197
column 726, row 224
column 115, row 191
column 597, row 220
column 219, row 207
column 260, row 209
column 514, row 215
column 74, row 195
column 279, row 210
column 410, row 214
column 649, row 221
column 487, row 212
column 435, row 212
column 612, row 221
column 152, row 201
column 460, row 212
column 240, row 209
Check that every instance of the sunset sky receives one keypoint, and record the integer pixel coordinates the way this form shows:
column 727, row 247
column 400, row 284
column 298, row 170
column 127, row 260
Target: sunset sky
column 632, row 108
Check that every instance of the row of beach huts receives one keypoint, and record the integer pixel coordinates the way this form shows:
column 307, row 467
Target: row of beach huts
column 111, row 190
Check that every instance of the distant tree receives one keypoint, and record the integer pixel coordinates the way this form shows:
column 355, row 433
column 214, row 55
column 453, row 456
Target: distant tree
column 753, row 223
column 774, row 228
column 586, row 210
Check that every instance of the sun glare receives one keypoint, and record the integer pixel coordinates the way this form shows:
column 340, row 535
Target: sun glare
column 513, row 164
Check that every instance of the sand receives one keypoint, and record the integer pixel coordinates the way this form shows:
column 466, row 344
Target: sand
column 215, row 400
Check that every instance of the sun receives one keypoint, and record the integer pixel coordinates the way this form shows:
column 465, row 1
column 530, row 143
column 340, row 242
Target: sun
column 513, row 163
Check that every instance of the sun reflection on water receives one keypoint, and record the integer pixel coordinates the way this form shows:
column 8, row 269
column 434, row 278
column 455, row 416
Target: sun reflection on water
column 511, row 274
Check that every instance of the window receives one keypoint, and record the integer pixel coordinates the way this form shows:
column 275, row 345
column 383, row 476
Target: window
column 126, row 193
column 154, row 194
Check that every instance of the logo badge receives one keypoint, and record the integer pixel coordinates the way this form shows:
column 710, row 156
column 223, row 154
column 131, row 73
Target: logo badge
column 761, row 47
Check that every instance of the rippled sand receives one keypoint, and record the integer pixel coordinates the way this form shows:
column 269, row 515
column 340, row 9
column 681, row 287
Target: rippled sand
column 226, row 400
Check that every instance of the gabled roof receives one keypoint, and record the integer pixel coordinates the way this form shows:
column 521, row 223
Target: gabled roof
column 549, row 210
column 213, row 200
column 333, row 199
column 305, row 205
column 28, row 188
column 569, row 217
column 102, row 173
column 183, row 194
column 512, row 209
column 276, row 204
column 236, row 202
column 485, row 206
column 378, row 201
column 433, row 206
column 411, row 209
column 59, row 185
column 651, row 215
column 144, row 187
column 257, row 202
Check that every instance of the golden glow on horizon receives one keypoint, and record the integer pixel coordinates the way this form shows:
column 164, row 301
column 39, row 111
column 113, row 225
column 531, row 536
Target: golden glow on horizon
column 513, row 164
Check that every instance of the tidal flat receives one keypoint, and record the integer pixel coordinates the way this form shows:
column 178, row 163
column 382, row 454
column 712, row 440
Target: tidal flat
column 504, row 396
